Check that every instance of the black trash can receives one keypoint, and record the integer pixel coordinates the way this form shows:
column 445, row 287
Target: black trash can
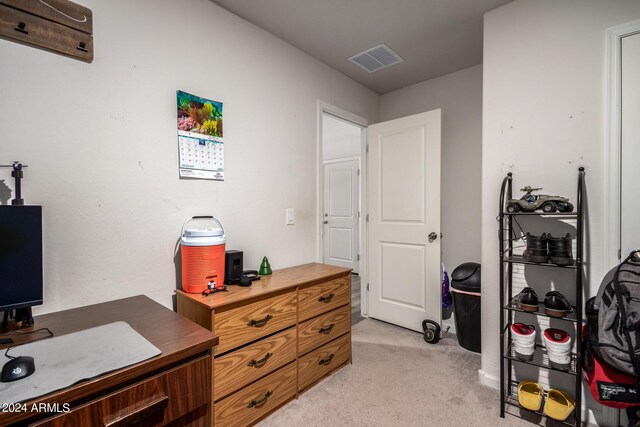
column 465, row 288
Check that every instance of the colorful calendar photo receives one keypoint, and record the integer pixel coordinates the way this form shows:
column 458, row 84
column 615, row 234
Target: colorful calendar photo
column 200, row 140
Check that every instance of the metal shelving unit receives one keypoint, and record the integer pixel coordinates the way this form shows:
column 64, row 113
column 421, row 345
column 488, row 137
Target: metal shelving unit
column 508, row 385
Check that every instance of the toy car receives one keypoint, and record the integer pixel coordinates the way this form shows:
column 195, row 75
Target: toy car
column 531, row 202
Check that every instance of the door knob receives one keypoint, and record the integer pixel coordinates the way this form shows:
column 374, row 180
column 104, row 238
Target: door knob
column 432, row 236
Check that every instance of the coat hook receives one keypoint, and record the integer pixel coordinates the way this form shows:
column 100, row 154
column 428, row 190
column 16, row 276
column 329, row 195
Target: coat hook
column 21, row 27
column 82, row 46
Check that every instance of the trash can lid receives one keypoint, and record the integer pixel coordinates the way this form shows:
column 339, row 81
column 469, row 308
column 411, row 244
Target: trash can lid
column 466, row 277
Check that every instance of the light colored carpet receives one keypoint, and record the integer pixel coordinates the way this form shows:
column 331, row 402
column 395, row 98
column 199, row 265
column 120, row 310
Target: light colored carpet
column 398, row 379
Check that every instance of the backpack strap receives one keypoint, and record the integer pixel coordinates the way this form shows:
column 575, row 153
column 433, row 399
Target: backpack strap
column 635, row 361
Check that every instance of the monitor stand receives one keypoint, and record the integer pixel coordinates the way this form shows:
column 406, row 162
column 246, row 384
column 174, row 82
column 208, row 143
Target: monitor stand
column 24, row 315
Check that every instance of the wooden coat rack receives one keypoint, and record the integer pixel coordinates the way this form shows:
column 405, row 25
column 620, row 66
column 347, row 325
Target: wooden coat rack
column 58, row 26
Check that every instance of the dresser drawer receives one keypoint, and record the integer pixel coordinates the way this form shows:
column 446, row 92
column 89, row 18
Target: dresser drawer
column 258, row 399
column 243, row 366
column 322, row 329
column 319, row 363
column 156, row 401
column 240, row 325
column 323, row 297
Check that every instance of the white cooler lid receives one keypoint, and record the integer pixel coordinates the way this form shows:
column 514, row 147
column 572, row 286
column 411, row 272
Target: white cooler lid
column 202, row 232
column 203, row 237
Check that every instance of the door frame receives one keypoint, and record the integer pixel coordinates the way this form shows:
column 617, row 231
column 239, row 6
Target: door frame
column 611, row 238
column 613, row 144
column 337, row 112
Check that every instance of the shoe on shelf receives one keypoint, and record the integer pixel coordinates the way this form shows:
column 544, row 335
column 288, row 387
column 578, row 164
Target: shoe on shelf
column 527, row 300
column 556, row 305
column 559, row 404
column 536, row 250
column 560, row 250
column 558, row 343
column 524, row 340
column 530, row 395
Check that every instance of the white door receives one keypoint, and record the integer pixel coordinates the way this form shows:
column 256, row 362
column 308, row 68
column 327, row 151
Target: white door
column 630, row 143
column 404, row 211
column 341, row 199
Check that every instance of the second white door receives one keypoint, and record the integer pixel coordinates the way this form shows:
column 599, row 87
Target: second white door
column 341, row 200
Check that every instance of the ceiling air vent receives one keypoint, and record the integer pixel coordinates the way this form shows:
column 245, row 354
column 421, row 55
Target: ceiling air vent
column 376, row 58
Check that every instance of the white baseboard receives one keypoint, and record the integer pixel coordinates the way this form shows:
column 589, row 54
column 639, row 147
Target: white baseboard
column 488, row 379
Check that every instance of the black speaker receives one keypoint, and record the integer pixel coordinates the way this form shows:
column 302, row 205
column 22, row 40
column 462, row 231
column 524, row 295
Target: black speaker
column 232, row 267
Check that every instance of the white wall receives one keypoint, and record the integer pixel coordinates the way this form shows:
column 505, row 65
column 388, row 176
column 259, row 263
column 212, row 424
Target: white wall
column 101, row 144
column 459, row 95
column 543, row 116
column 340, row 140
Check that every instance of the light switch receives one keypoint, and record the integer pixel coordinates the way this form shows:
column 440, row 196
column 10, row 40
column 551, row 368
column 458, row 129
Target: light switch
column 290, row 216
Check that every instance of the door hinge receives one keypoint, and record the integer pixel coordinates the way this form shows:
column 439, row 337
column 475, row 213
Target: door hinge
column 358, row 214
column 358, row 257
column 358, row 172
column 367, row 217
column 367, row 147
column 619, row 253
column 367, row 287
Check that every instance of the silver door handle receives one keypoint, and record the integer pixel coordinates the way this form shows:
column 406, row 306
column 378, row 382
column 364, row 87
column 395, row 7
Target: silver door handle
column 432, row 236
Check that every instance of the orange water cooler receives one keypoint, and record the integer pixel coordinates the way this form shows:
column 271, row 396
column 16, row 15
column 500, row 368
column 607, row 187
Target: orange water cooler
column 203, row 251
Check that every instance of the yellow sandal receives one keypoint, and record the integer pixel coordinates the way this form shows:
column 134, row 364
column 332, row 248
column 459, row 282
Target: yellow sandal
column 559, row 405
column 530, row 395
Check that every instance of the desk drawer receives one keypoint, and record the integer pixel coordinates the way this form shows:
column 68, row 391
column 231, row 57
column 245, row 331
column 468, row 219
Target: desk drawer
column 258, row 399
column 240, row 325
column 243, row 366
column 156, row 401
column 321, row 362
column 323, row 297
column 322, row 329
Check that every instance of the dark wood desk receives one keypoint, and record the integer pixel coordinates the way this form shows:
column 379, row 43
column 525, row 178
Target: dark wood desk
column 172, row 387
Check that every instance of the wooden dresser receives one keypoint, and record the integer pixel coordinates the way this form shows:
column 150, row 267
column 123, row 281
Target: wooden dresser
column 172, row 388
column 277, row 338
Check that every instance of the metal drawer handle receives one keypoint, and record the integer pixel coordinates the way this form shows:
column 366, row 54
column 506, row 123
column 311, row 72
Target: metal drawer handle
column 21, row 28
column 325, row 362
column 140, row 414
column 261, row 322
column 259, row 403
column 261, row 362
column 327, row 329
column 327, row 298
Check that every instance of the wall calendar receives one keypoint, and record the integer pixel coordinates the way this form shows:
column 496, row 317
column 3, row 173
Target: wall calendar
column 200, row 141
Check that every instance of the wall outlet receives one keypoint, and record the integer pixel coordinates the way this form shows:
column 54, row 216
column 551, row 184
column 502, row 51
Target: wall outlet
column 290, row 216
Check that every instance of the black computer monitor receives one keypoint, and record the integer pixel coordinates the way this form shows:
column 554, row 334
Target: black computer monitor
column 20, row 257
